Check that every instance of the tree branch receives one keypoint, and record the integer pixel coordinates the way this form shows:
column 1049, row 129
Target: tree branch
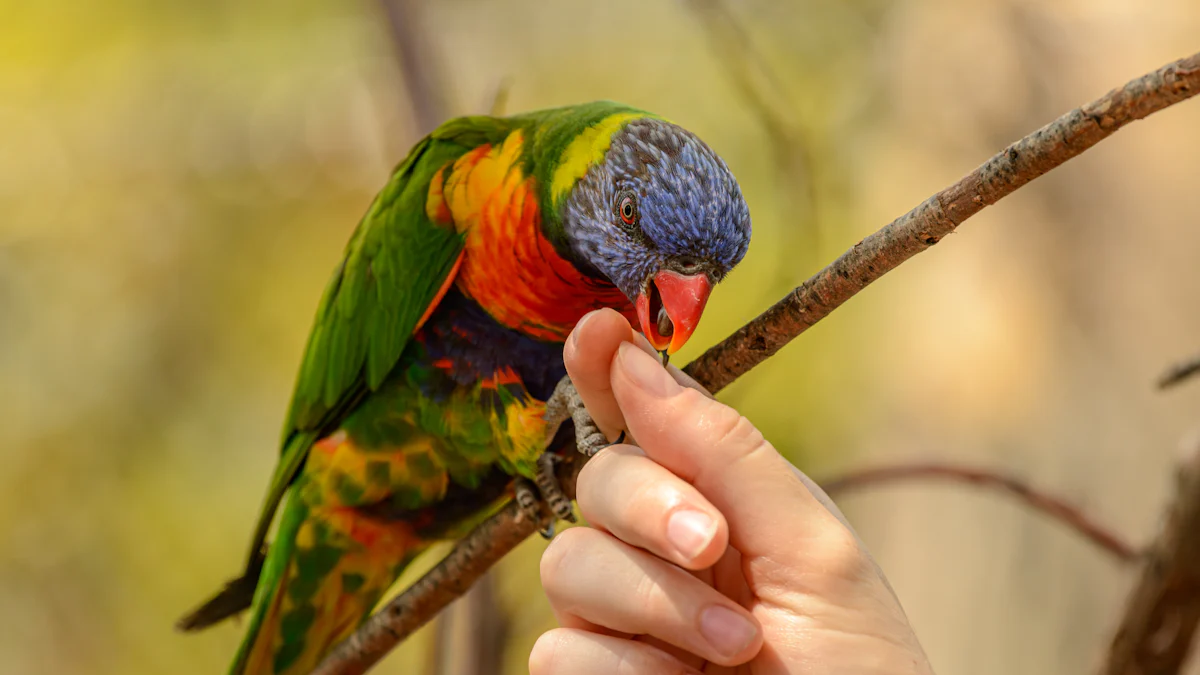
column 449, row 579
column 926, row 225
column 1047, row 504
column 868, row 260
column 1160, row 621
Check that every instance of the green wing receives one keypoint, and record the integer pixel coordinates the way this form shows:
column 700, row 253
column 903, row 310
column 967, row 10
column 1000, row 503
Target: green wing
column 395, row 264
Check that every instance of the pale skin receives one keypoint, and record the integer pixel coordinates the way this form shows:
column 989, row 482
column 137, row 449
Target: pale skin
column 707, row 552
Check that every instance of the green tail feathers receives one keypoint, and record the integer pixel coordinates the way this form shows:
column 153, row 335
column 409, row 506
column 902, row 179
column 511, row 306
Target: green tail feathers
column 234, row 598
column 327, row 569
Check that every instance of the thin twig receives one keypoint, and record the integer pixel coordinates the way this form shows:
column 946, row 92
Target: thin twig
column 499, row 106
column 1047, row 504
column 1179, row 372
column 418, row 63
column 868, row 260
column 749, row 73
column 1159, row 624
column 745, row 66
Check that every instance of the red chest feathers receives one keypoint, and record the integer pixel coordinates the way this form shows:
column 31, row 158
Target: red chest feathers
column 508, row 266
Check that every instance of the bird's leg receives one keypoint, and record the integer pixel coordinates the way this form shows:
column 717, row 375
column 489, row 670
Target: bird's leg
column 527, row 498
column 552, row 492
column 545, row 484
column 566, row 403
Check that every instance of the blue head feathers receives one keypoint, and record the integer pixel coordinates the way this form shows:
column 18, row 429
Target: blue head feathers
column 660, row 200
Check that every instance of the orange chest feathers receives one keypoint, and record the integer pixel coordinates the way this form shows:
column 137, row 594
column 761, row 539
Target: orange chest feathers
column 508, row 265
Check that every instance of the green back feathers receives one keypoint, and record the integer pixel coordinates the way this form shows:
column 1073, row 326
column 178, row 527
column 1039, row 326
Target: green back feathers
column 397, row 260
column 394, row 265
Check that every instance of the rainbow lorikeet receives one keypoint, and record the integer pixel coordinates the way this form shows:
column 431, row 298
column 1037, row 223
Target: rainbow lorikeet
column 422, row 396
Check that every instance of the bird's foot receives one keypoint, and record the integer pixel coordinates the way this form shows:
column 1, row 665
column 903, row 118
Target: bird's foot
column 551, row 489
column 565, row 403
column 531, row 505
column 546, row 489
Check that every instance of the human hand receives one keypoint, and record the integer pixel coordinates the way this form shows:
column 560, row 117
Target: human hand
column 707, row 551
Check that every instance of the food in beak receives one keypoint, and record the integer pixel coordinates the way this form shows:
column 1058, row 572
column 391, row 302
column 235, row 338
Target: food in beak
column 669, row 308
column 665, row 327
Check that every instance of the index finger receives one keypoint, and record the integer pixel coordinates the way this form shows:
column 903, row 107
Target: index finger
column 724, row 456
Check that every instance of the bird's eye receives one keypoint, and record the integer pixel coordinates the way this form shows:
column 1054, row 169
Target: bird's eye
column 627, row 209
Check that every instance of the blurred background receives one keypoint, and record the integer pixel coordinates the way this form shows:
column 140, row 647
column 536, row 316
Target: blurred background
column 177, row 179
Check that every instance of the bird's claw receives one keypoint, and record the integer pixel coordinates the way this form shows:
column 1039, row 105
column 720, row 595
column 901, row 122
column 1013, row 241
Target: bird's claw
column 544, row 489
column 531, row 506
column 565, row 403
column 552, row 492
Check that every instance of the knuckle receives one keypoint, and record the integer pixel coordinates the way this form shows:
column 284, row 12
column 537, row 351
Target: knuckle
column 648, row 593
column 734, row 433
column 840, row 554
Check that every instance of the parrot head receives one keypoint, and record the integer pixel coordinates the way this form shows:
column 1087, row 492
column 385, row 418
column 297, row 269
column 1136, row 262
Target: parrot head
column 662, row 218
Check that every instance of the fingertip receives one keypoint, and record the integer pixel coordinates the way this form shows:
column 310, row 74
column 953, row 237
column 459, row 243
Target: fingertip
column 598, row 330
column 588, row 357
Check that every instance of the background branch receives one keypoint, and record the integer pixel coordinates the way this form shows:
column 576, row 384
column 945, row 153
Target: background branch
column 1042, row 502
column 470, row 635
column 1160, row 621
column 813, row 300
column 1179, row 372
column 418, row 64
column 765, row 95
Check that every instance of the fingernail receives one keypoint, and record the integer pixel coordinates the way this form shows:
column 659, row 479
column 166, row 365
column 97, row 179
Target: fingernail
column 727, row 631
column 690, row 531
column 579, row 326
column 644, row 371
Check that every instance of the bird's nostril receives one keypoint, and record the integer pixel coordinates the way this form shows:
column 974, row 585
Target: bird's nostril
column 688, row 264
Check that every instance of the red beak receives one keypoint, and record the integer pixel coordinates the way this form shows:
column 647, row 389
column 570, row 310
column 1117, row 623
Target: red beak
column 681, row 298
